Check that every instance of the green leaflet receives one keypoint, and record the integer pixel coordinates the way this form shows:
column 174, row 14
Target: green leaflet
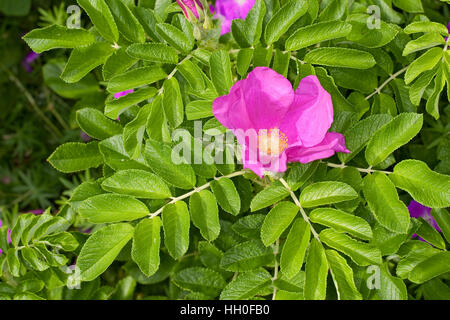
column 137, row 183
column 135, row 78
column 342, row 276
column 246, row 285
column 283, row 19
column 276, row 221
column 176, row 223
column 425, row 186
column 316, row 272
column 55, row 36
column 220, row 70
column 227, row 195
column 102, row 248
column 158, row 156
column 340, row 57
column 95, row 124
column 342, row 222
column 74, row 156
column 246, row 256
column 127, row 24
column 153, row 52
column 431, row 267
column 425, row 62
column 361, row 253
column 205, row 214
column 294, row 249
column 112, row 208
column 101, row 17
column 173, row 102
column 197, row 279
column 316, row 33
column 392, row 136
column 175, row 37
column 146, row 245
column 322, row 193
column 384, row 203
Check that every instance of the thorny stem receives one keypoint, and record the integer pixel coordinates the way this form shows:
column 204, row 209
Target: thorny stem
column 203, row 187
column 297, row 203
column 392, row 77
column 275, row 273
column 368, row 170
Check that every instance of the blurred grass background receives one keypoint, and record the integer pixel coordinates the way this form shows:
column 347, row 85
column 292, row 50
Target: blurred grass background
column 34, row 120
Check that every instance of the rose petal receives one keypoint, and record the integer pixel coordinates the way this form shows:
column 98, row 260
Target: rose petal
column 333, row 142
column 312, row 110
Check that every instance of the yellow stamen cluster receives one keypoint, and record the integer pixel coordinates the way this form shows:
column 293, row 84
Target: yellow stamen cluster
column 272, row 142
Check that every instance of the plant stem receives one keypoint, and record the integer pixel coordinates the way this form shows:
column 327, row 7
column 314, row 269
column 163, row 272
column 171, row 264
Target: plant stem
column 297, row 203
column 276, row 248
column 392, row 77
column 368, row 170
column 160, row 91
column 203, row 187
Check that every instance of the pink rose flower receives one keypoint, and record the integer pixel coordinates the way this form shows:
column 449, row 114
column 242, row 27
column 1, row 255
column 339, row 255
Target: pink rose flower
column 275, row 125
column 228, row 10
column 189, row 5
column 416, row 210
column 30, row 58
column 119, row 95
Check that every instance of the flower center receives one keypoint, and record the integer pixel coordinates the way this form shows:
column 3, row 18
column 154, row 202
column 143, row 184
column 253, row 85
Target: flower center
column 272, row 142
